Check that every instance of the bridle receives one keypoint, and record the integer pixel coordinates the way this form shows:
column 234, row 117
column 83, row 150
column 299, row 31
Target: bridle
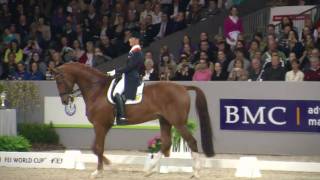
column 60, row 79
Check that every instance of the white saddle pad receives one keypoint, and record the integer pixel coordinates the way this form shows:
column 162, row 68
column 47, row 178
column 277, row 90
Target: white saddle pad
column 120, row 88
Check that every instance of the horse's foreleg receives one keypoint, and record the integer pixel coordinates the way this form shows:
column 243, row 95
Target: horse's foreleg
column 98, row 148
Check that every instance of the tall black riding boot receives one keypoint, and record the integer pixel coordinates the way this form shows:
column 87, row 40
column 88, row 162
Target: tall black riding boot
column 120, row 118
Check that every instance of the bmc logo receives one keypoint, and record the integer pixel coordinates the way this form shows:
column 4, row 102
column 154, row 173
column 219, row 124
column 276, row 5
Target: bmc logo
column 270, row 115
column 257, row 117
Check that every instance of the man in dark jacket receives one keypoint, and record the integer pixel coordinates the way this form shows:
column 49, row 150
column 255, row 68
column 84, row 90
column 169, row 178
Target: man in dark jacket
column 275, row 72
column 132, row 78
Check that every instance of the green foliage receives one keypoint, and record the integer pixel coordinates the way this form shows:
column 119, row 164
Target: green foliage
column 191, row 126
column 14, row 143
column 2, row 87
column 22, row 95
column 39, row 133
column 154, row 144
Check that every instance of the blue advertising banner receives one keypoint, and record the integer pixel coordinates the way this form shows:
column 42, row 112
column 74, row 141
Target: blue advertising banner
column 270, row 115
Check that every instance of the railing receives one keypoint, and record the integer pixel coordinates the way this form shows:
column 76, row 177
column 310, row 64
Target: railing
column 298, row 20
column 257, row 21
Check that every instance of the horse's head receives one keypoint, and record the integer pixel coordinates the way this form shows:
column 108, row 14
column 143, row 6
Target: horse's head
column 65, row 83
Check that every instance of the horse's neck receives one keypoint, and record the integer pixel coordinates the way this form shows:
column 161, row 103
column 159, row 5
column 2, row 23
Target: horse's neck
column 92, row 88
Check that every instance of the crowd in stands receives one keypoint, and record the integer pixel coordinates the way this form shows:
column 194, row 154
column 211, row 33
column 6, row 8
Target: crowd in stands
column 279, row 54
column 37, row 36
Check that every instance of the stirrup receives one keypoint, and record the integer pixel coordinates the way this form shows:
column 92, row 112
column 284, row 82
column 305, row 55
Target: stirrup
column 121, row 121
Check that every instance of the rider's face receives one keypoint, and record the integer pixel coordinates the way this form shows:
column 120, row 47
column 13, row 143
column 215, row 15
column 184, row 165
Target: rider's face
column 133, row 41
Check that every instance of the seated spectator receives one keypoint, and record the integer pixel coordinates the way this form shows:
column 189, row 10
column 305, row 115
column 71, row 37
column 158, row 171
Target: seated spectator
column 305, row 31
column 157, row 15
column 202, row 71
column 218, row 74
column 204, row 47
column 21, row 73
column 166, row 73
column 293, row 45
column 179, row 22
column 14, row 48
column 224, row 62
column 187, row 51
column 35, row 73
column 194, row 14
column 42, row 66
column 241, row 45
column 167, row 67
column 57, row 59
column 253, row 48
column 285, row 22
column 50, row 73
column 31, row 47
column 275, row 72
column 238, row 73
column 273, row 49
column 165, row 51
column 184, row 72
column 77, row 49
column 10, row 67
column 313, row 74
column 164, row 27
column 283, row 40
column 223, row 46
column 211, row 10
column 307, row 55
column 147, row 11
column 99, row 58
column 107, row 48
column 87, row 57
column 149, row 73
column 295, row 74
column 255, row 69
column 239, row 57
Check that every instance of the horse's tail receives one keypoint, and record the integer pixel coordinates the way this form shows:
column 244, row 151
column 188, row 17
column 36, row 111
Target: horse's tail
column 204, row 118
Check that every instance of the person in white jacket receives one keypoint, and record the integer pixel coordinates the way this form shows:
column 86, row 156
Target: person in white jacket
column 295, row 74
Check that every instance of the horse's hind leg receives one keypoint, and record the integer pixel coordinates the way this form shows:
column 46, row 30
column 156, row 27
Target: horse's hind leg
column 192, row 143
column 165, row 128
column 98, row 148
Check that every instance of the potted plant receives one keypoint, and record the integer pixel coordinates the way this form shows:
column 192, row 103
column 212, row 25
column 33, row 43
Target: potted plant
column 154, row 146
column 177, row 141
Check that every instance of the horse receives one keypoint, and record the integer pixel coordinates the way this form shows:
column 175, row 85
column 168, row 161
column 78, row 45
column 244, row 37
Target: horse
column 166, row 101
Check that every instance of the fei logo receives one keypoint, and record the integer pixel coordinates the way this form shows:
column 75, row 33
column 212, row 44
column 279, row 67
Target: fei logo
column 270, row 115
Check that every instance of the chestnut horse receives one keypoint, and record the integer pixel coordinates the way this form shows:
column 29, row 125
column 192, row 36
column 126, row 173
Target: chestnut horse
column 168, row 102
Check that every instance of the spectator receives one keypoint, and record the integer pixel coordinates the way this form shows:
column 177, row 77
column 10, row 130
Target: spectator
column 175, row 8
column 157, row 14
column 224, row 62
column 57, row 59
column 295, row 74
column 147, row 11
column 273, row 49
column 99, row 58
column 219, row 74
column 307, row 55
column 255, row 70
column 164, row 27
column 87, row 57
column 202, row 71
column 204, row 47
column 149, row 73
column 179, row 22
column 254, row 47
column 50, row 72
column 41, row 66
column 184, row 72
column 35, row 73
column 32, row 47
column 232, row 26
column 313, row 74
column 167, row 66
column 106, row 47
column 77, row 49
column 194, row 14
column 211, row 10
column 275, row 72
column 165, row 51
column 10, row 67
column 293, row 45
column 21, row 73
column 14, row 48
column 239, row 57
column 238, row 73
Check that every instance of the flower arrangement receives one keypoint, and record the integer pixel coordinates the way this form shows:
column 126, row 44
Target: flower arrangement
column 154, row 144
column 176, row 137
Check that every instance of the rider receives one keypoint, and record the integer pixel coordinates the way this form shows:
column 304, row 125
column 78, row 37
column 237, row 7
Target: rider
column 132, row 78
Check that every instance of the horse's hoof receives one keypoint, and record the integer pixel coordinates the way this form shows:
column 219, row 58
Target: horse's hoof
column 148, row 174
column 195, row 176
column 96, row 174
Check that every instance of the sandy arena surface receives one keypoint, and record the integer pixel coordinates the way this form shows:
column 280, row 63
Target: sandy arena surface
column 134, row 172
column 117, row 172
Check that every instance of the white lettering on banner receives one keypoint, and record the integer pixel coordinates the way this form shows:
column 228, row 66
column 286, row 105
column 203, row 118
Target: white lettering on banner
column 272, row 120
column 259, row 114
column 31, row 160
column 315, row 110
column 314, row 122
column 233, row 113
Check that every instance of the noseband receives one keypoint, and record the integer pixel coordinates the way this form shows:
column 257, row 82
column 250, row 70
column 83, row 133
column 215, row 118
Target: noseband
column 61, row 80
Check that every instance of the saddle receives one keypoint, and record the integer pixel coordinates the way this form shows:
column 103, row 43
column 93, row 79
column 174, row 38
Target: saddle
column 118, row 87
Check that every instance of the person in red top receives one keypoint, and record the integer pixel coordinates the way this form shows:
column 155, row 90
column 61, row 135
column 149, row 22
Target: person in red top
column 313, row 74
